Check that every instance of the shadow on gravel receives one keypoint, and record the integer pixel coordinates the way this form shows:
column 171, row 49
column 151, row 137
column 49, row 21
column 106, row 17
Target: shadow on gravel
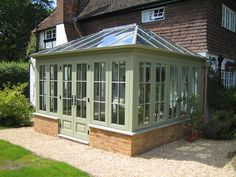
column 210, row 152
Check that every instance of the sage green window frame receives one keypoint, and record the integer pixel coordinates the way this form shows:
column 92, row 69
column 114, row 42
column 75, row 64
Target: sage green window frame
column 42, row 87
column 168, row 64
column 53, row 93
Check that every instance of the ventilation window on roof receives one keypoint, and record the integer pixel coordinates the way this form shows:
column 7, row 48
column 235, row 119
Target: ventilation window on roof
column 153, row 15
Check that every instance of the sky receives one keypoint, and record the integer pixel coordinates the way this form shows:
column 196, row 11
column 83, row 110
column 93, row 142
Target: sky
column 55, row 3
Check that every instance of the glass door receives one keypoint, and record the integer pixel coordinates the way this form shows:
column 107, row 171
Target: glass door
column 81, row 100
column 67, row 101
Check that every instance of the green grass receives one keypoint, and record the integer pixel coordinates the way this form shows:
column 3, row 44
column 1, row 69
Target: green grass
column 1, row 128
column 16, row 161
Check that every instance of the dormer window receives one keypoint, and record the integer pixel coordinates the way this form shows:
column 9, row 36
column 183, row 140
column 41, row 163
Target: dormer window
column 51, row 34
column 50, row 38
column 153, row 15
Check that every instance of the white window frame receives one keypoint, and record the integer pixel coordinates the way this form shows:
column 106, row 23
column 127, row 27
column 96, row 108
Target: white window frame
column 154, row 15
column 228, row 18
column 227, row 79
column 50, row 34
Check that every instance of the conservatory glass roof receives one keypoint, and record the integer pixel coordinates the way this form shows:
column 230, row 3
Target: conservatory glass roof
column 118, row 36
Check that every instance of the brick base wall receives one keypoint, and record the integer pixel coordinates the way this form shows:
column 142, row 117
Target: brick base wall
column 136, row 144
column 46, row 126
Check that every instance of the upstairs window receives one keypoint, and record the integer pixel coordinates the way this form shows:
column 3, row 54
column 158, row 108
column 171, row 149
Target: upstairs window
column 51, row 34
column 50, row 38
column 153, row 15
column 228, row 18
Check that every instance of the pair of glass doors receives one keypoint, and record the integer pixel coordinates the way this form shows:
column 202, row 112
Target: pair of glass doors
column 75, row 100
column 77, row 89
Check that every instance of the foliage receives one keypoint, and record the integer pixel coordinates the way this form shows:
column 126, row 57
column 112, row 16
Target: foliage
column 222, row 125
column 13, row 73
column 33, row 44
column 15, row 109
column 221, row 106
column 192, row 118
column 16, row 161
column 17, row 20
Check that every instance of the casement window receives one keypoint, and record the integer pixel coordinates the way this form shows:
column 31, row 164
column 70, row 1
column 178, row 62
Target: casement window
column 51, row 34
column 227, row 78
column 42, row 87
column 118, row 92
column 160, row 102
column 99, row 91
column 53, row 88
column 50, row 38
column 144, row 93
column 153, row 15
column 228, row 18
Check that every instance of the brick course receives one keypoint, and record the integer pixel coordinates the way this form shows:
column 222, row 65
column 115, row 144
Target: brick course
column 46, row 126
column 136, row 144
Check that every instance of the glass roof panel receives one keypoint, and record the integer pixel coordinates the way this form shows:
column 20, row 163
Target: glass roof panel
column 118, row 36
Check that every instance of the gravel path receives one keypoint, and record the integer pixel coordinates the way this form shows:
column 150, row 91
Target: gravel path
column 204, row 158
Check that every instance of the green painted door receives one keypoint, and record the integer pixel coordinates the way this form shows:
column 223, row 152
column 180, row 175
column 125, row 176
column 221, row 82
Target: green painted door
column 75, row 101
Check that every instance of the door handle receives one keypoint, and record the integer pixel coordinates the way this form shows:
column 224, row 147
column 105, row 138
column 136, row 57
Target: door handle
column 88, row 100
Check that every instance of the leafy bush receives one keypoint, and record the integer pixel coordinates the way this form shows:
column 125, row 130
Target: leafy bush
column 222, row 125
column 15, row 109
column 222, row 109
column 14, row 73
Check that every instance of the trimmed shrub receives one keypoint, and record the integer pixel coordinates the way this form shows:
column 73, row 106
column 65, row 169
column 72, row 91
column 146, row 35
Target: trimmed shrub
column 13, row 73
column 15, row 109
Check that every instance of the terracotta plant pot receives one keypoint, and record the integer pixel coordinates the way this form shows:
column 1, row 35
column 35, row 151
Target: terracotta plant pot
column 192, row 134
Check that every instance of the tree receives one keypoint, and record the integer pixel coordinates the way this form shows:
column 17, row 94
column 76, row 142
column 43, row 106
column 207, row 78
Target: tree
column 17, row 19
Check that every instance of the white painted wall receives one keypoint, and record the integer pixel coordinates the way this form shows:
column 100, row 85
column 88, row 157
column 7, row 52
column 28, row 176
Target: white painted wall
column 60, row 34
column 60, row 39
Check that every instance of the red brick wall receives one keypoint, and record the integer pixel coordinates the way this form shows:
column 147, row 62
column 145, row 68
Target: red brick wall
column 46, row 126
column 136, row 144
column 221, row 41
column 194, row 24
column 185, row 23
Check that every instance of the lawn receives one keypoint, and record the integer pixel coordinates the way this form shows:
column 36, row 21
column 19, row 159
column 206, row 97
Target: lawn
column 16, row 161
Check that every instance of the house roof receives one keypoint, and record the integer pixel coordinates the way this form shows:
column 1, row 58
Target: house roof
column 120, row 36
column 95, row 7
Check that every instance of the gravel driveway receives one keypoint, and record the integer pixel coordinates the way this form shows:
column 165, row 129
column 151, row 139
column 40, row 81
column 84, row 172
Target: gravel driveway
column 179, row 159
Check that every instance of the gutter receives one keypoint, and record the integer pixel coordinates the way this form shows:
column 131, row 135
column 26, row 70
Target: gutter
column 130, row 9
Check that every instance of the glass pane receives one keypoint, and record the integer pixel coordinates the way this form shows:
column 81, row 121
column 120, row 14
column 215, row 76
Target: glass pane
column 84, row 109
column 147, row 114
column 121, row 115
column 103, row 71
column 96, row 92
column 102, row 112
column 158, row 73
column 115, row 66
column 79, row 72
column 157, row 92
column 115, row 93
column 84, row 72
column 84, row 90
column 96, row 111
column 114, row 113
column 79, row 90
column 162, row 92
column 140, row 114
column 162, row 111
column 102, row 91
column 163, row 73
column 96, row 71
column 122, row 71
column 141, row 93
column 156, row 112
column 79, row 108
column 141, row 72
column 148, row 72
column 122, row 93
column 147, row 93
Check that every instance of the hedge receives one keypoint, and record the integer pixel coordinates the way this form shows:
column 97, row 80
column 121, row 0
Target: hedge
column 14, row 73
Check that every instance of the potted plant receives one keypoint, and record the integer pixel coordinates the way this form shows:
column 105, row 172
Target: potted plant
column 192, row 119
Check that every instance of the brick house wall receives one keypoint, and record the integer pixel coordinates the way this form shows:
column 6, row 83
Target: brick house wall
column 193, row 24
column 220, row 41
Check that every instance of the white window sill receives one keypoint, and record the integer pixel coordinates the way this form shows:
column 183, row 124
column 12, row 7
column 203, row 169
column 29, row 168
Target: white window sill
column 46, row 116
